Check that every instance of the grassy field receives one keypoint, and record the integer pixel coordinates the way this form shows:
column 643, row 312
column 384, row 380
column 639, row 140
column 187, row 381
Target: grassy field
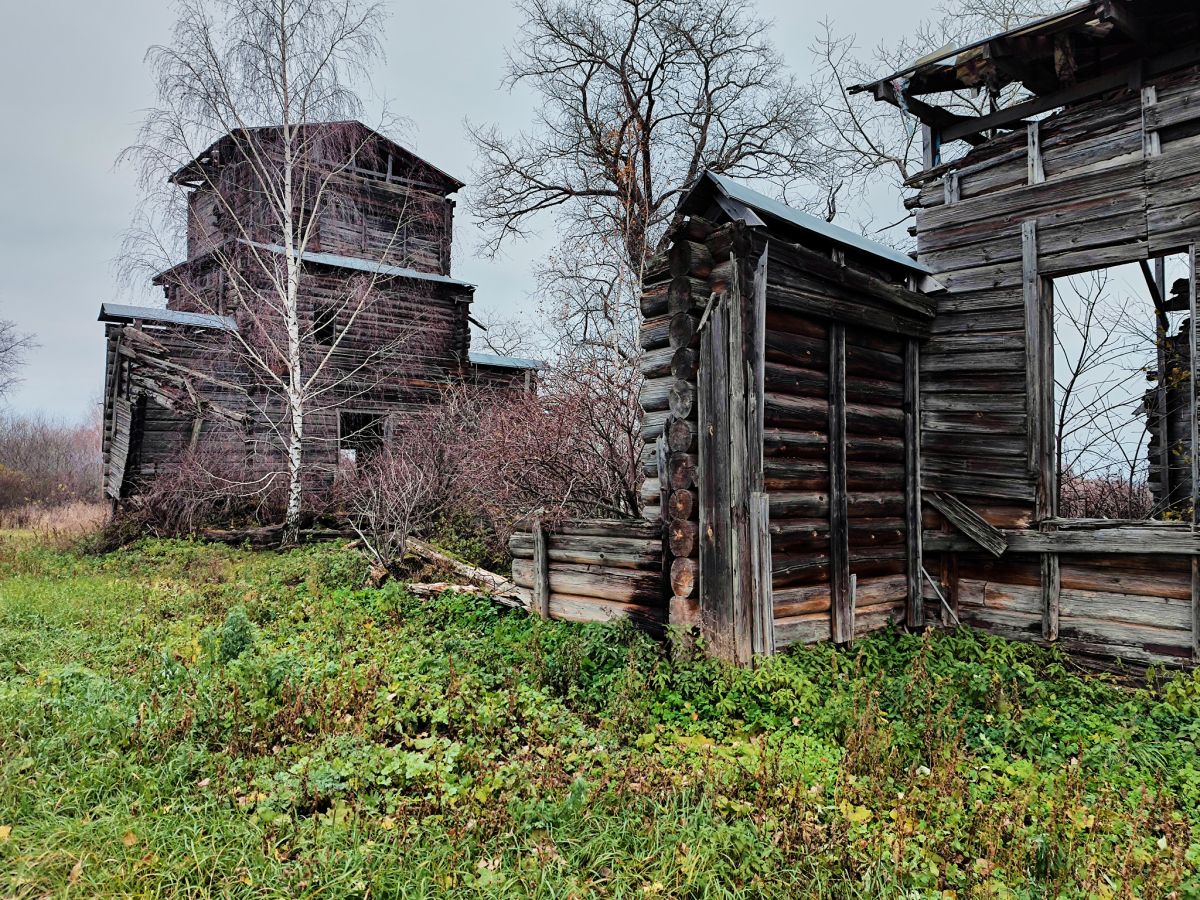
column 186, row 720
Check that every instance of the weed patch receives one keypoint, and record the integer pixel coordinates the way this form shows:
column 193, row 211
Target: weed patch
column 182, row 719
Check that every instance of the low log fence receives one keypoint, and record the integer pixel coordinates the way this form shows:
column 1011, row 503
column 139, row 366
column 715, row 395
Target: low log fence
column 593, row 571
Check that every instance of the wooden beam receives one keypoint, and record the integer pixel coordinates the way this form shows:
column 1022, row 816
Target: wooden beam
column 969, row 522
column 541, row 571
column 716, row 607
column 1035, row 170
column 971, row 128
column 760, row 543
column 1151, row 142
column 1194, row 360
column 738, row 474
column 1136, row 540
column 1033, row 320
column 1051, row 595
column 1164, row 442
column 841, row 607
column 1125, row 23
column 914, row 564
column 763, row 609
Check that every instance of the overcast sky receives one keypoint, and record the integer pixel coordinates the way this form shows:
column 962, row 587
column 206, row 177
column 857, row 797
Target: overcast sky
column 74, row 87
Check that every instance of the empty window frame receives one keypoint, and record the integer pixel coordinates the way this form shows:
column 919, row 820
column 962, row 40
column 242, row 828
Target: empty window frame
column 360, row 434
column 1120, row 425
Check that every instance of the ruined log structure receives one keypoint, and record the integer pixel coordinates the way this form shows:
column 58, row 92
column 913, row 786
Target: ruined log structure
column 839, row 436
column 382, row 316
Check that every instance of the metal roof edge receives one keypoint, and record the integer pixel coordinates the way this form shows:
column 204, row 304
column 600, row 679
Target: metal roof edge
column 121, row 312
column 507, row 362
column 761, row 204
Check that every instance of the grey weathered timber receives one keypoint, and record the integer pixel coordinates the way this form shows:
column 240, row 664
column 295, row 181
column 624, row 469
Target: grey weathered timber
column 1194, row 359
column 969, row 522
column 716, row 589
column 1030, row 290
column 762, row 616
column 1051, row 578
column 841, row 610
column 541, row 571
column 915, row 612
column 1036, row 170
column 738, row 472
column 1129, row 540
column 763, row 596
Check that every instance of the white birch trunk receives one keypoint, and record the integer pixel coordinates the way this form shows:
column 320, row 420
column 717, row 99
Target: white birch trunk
column 295, row 385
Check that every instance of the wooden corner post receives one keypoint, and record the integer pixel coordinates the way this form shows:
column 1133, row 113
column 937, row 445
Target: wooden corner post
column 541, row 570
column 914, row 566
column 1194, row 362
column 841, row 609
column 1039, row 390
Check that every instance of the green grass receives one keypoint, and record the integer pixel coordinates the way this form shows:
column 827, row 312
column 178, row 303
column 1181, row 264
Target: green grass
column 186, row 720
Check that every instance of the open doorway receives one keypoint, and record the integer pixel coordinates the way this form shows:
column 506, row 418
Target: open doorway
column 1122, row 391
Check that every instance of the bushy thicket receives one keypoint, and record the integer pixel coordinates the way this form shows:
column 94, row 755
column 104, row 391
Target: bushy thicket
column 46, row 463
column 189, row 719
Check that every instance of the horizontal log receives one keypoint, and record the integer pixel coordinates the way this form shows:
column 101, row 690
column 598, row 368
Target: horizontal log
column 682, row 399
column 681, row 331
column 681, row 436
column 575, row 608
column 685, row 577
column 681, row 538
column 602, row 582
column 1168, row 541
column 685, row 612
column 681, row 504
column 684, row 363
column 650, row 560
column 690, row 258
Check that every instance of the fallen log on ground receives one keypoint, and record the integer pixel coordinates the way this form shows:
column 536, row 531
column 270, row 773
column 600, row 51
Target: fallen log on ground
column 502, row 589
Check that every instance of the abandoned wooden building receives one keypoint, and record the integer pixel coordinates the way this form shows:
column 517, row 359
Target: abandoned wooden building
column 382, row 318
column 839, row 436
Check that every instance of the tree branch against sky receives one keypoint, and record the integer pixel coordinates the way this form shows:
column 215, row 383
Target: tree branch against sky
column 865, row 144
column 637, row 98
column 14, row 345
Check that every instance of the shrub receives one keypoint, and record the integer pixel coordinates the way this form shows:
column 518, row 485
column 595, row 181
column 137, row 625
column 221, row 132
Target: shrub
column 45, row 463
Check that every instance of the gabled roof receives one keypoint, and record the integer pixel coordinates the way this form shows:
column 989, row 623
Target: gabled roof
column 747, row 205
column 188, row 172
column 119, row 312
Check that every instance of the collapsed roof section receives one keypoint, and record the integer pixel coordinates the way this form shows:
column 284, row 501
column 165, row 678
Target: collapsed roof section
column 1063, row 59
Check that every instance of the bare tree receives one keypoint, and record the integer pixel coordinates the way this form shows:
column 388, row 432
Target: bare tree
column 1102, row 351
column 863, row 143
column 636, row 99
column 270, row 81
column 14, row 344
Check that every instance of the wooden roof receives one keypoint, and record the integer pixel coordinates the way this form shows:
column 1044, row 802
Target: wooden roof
column 372, row 142
column 1082, row 52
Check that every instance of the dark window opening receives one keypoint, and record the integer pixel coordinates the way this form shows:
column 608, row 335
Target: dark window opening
column 325, row 326
column 360, row 435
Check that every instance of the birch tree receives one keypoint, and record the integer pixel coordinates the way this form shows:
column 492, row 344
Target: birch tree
column 256, row 75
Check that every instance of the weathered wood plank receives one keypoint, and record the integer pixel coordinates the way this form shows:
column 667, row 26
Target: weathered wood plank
column 841, row 612
column 915, row 612
column 969, row 522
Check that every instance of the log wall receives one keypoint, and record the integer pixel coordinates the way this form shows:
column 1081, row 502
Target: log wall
column 816, row 371
column 1099, row 184
column 594, row 571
